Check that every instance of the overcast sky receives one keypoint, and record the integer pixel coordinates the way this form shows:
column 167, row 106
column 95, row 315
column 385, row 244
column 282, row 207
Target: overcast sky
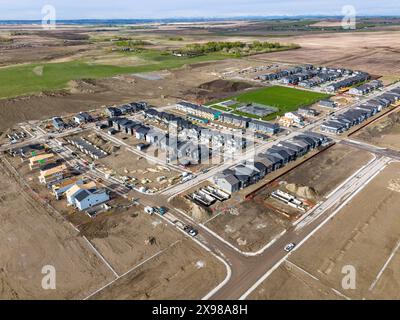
column 131, row 9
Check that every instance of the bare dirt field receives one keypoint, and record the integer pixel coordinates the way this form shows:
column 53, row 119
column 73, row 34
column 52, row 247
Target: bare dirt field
column 384, row 132
column 181, row 271
column 248, row 225
column 364, row 234
column 143, row 172
column 32, row 238
column 33, row 46
column 129, row 238
column 290, row 283
column 125, row 236
column 374, row 52
column 326, row 171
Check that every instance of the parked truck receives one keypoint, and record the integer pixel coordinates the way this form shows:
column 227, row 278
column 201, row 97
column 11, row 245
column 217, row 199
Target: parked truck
column 159, row 210
column 149, row 210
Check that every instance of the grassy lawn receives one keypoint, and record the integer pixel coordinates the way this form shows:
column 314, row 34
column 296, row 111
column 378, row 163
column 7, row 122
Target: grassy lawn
column 220, row 108
column 34, row 78
column 283, row 98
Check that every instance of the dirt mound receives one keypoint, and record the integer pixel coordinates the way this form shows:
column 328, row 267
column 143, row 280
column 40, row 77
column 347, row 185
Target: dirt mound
column 383, row 127
column 394, row 185
column 302, row 191
column 196, row 212
column 216, row 89
column 83, row 86
column 98, row 228
column 225, row 85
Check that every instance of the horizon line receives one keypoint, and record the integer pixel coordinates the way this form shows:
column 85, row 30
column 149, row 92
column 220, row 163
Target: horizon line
column 217, row 18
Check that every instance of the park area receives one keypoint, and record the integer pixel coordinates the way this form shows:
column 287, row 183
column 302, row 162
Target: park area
column 283, row 98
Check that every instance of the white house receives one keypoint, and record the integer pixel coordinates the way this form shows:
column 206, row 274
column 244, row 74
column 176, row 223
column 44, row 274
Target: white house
column 86, row 196
column 85, row 199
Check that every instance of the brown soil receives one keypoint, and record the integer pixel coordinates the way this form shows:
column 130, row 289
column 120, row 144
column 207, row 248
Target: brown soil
column 183, row 271
column 318, row 176
column 217, row 89
column 384, row 132
column 33, row 237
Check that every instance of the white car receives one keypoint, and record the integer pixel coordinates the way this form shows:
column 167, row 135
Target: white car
column 193, row 232
column 289, row 247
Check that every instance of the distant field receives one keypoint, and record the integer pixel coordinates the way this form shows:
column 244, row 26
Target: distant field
column 285, row 99
column 34, row 78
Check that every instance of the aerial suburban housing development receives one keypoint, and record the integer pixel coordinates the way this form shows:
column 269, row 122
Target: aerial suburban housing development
column 220, row 151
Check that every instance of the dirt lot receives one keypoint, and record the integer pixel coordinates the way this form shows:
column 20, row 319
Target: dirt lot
column 144, row 172
column 324, row 172
column 364, row 234
column 384, row 132
column 181, row 271
column 32, row 237
column 128, row 238
column 290, row 283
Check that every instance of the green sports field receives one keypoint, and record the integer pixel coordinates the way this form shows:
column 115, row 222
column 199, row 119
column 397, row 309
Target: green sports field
column 283, row 98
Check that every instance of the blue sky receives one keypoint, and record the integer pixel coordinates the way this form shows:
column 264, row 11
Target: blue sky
column 125, row 9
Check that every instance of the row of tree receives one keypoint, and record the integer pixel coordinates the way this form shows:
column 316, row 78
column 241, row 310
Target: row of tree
column 236, row 47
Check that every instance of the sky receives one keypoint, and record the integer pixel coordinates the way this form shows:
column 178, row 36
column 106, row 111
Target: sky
column 158, row 9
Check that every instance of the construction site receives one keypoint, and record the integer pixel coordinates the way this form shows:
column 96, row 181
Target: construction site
column 364, row 234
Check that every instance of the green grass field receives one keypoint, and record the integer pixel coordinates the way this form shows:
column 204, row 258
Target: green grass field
column 283, row 98
column 34, row 78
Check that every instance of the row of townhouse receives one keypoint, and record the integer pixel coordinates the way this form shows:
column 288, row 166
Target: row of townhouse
column 323, row 75
column 197, row 110
column 209, row 114
column 298, row 77
column 306, row 76
column 126, row 109
column 250, row 172
column 358, row 77
column 88, row 148
column 169, row 119
column 366, row 88
column 357, row 115
column 216, row 140
column 253, row 124
column 183, row 152
column 285, row 73
column 133, row 128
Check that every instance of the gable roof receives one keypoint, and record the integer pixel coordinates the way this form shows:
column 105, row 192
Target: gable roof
column 81, row 195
